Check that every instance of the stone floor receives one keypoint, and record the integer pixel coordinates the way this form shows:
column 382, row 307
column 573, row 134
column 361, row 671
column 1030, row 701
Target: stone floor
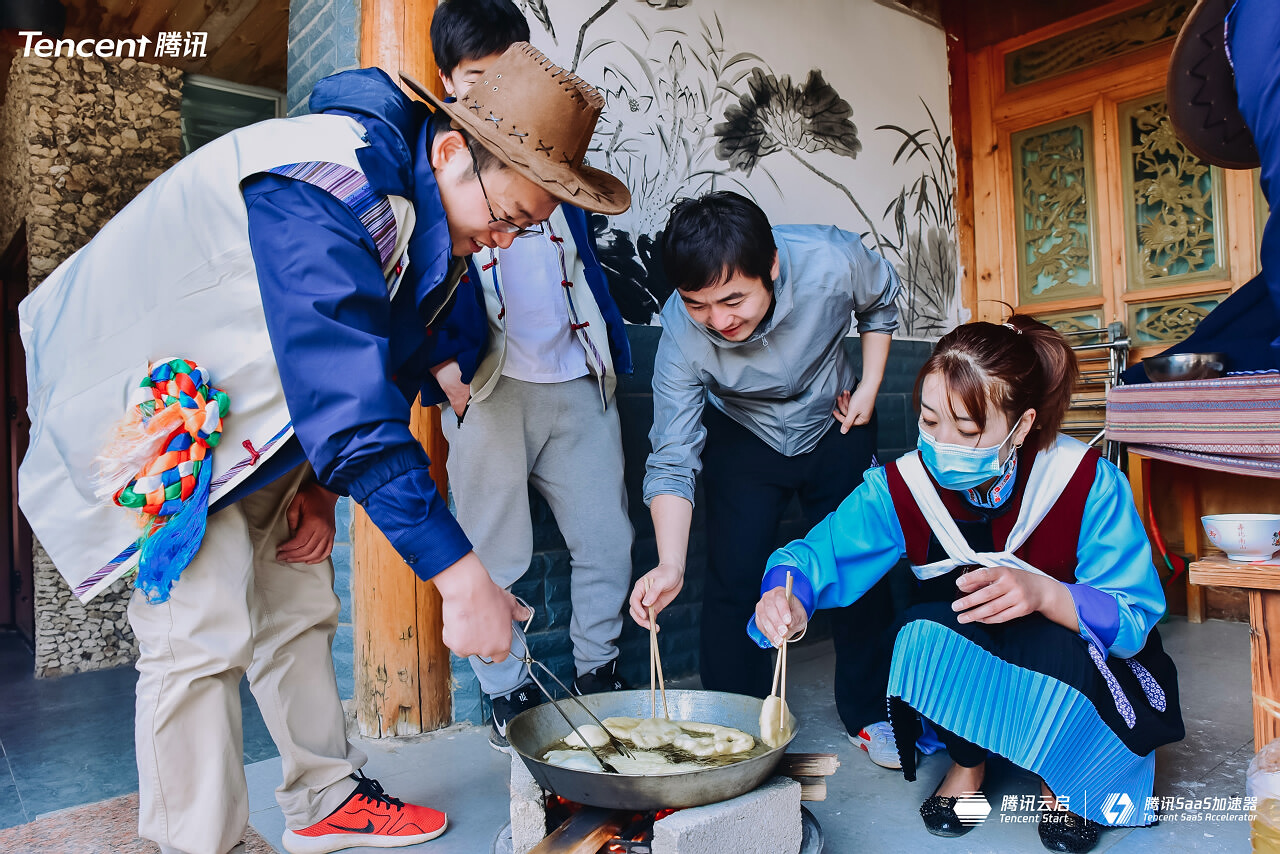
column 68, row 741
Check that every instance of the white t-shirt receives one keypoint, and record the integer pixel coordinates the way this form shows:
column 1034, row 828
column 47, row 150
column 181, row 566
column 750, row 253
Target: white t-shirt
column 541, row 348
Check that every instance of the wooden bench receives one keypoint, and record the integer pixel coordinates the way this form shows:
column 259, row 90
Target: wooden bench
column 1263, row 586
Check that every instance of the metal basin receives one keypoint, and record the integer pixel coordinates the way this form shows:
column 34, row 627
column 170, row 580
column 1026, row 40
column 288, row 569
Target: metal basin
column 1185, row 366
column 533, row 731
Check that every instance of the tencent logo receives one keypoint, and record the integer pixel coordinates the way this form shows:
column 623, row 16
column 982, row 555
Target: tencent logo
column 1117, row 808
column 972, row 808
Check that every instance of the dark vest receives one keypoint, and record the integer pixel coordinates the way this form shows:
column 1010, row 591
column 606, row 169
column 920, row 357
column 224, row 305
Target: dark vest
column 1051, row 548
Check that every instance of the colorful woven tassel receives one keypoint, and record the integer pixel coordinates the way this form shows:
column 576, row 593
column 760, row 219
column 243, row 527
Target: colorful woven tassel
column 171, row 490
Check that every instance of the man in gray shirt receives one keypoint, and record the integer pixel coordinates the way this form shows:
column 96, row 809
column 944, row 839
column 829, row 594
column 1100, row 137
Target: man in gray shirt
column 756, row 329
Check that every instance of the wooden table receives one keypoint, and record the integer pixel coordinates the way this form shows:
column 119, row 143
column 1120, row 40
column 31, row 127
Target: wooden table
column 1188, row 517
column 1198, row 491
column 1263, row 586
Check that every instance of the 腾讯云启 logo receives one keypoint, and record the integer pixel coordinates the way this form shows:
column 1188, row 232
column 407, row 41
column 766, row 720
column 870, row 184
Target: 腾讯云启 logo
column 972, row 808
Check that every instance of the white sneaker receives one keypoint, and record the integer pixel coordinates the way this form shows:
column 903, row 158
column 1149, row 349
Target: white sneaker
column 877, row 739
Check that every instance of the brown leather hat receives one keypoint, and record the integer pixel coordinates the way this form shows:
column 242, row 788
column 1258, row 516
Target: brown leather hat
column 1201, row 91
column 538, row 119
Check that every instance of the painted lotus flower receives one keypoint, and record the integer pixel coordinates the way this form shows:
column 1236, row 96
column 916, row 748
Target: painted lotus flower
column 774, row 115
column 634, row 270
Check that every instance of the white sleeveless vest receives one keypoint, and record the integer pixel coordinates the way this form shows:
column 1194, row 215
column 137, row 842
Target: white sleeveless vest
column 171, row 275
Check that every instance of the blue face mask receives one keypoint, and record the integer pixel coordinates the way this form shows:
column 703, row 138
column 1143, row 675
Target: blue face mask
column 960, row 467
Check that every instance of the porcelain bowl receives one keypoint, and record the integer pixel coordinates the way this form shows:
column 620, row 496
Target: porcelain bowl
column 1244, row 536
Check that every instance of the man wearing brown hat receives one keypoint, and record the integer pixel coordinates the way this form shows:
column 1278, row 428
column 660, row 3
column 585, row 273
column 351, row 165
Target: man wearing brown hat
column 1224, row 102
column 306, row 265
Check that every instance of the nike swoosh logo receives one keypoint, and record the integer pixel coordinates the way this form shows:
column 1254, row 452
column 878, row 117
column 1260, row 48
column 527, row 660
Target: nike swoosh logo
column 368, row 828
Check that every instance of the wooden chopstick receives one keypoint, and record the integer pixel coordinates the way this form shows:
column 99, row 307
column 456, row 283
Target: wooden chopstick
column 653, row 666
column 655, row 663
column 782, row 654
column 777, row 672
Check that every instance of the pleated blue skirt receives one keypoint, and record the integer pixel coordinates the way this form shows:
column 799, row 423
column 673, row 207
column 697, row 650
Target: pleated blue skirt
column 1033, row 692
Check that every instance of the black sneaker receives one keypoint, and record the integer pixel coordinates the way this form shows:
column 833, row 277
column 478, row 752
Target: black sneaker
column 505, row 708
column 603, row 678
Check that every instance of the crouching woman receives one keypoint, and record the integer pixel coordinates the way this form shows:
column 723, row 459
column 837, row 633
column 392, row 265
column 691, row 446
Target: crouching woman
column 1032, row 635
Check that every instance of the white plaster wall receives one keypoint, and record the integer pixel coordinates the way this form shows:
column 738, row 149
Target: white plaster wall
column 672, row 68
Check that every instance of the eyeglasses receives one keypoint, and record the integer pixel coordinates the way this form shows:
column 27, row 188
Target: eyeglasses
column 497, row 223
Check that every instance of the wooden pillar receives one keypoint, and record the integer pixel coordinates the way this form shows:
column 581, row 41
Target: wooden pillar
column 1264, row 657
column 955, row 26
column 401, row 664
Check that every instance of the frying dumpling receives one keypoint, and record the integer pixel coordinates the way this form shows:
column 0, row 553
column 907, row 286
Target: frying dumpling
column 717, row 741
column 621, row 726
column 587, row 735
column 646, row 762
column 578, row 760
column 655, row 732
column 775, row 722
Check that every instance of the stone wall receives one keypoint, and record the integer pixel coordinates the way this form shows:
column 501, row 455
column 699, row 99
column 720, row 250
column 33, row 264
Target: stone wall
column 83, row 137
column 15, row 161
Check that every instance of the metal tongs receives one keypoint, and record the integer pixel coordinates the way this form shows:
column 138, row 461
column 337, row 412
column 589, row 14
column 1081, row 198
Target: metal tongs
column 530, row 662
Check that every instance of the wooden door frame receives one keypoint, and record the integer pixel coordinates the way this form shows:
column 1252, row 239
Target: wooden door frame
column 988, row 245
column 17, row 573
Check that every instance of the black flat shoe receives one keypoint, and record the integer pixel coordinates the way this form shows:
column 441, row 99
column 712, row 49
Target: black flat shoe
column 940, row 818
column 1067, row 832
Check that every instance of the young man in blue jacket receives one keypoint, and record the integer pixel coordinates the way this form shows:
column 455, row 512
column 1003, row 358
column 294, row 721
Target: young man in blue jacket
column 539, row 408
column 306, row 265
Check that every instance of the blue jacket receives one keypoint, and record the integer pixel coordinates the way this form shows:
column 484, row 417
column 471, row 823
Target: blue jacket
column 351, row 360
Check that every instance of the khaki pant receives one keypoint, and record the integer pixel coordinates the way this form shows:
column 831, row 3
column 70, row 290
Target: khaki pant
column 236, row 610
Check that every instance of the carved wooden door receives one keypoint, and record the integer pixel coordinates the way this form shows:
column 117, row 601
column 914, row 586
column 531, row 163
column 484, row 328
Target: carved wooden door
column 1087, row 208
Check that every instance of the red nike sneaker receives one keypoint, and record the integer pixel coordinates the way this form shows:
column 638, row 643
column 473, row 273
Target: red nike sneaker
column 370, row 817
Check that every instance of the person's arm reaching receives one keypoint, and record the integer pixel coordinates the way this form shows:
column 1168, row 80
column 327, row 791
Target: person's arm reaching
column 672, row 518
column 670, row 474
column 328, row 316
column 838, row 561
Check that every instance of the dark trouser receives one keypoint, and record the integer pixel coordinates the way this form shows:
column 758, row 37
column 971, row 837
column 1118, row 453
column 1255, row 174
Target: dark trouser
column 747, row 487
column 966, row 754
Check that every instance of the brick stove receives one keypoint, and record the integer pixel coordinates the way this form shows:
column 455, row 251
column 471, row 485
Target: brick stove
column 766, row 820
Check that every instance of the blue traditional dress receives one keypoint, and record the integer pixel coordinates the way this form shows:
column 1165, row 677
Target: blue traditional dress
column 1084, row 710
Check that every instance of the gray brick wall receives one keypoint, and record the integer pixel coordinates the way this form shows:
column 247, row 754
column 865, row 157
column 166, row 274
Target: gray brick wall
column 546, row 586
column 324, row 37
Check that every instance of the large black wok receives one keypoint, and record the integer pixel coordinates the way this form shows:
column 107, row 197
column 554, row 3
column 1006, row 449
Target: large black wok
column 533, row 731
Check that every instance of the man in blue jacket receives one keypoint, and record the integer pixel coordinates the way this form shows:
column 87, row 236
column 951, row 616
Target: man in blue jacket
column 539, row 407
column 305, row 264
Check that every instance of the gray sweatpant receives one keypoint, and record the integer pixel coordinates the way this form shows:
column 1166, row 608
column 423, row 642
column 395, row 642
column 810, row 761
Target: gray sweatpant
column 557, row 437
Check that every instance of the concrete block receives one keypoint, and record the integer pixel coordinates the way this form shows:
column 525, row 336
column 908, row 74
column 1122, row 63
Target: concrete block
column 528, row 809
column 763, row 821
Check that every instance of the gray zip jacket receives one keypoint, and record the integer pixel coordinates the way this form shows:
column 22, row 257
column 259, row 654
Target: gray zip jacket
column 782, row 382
